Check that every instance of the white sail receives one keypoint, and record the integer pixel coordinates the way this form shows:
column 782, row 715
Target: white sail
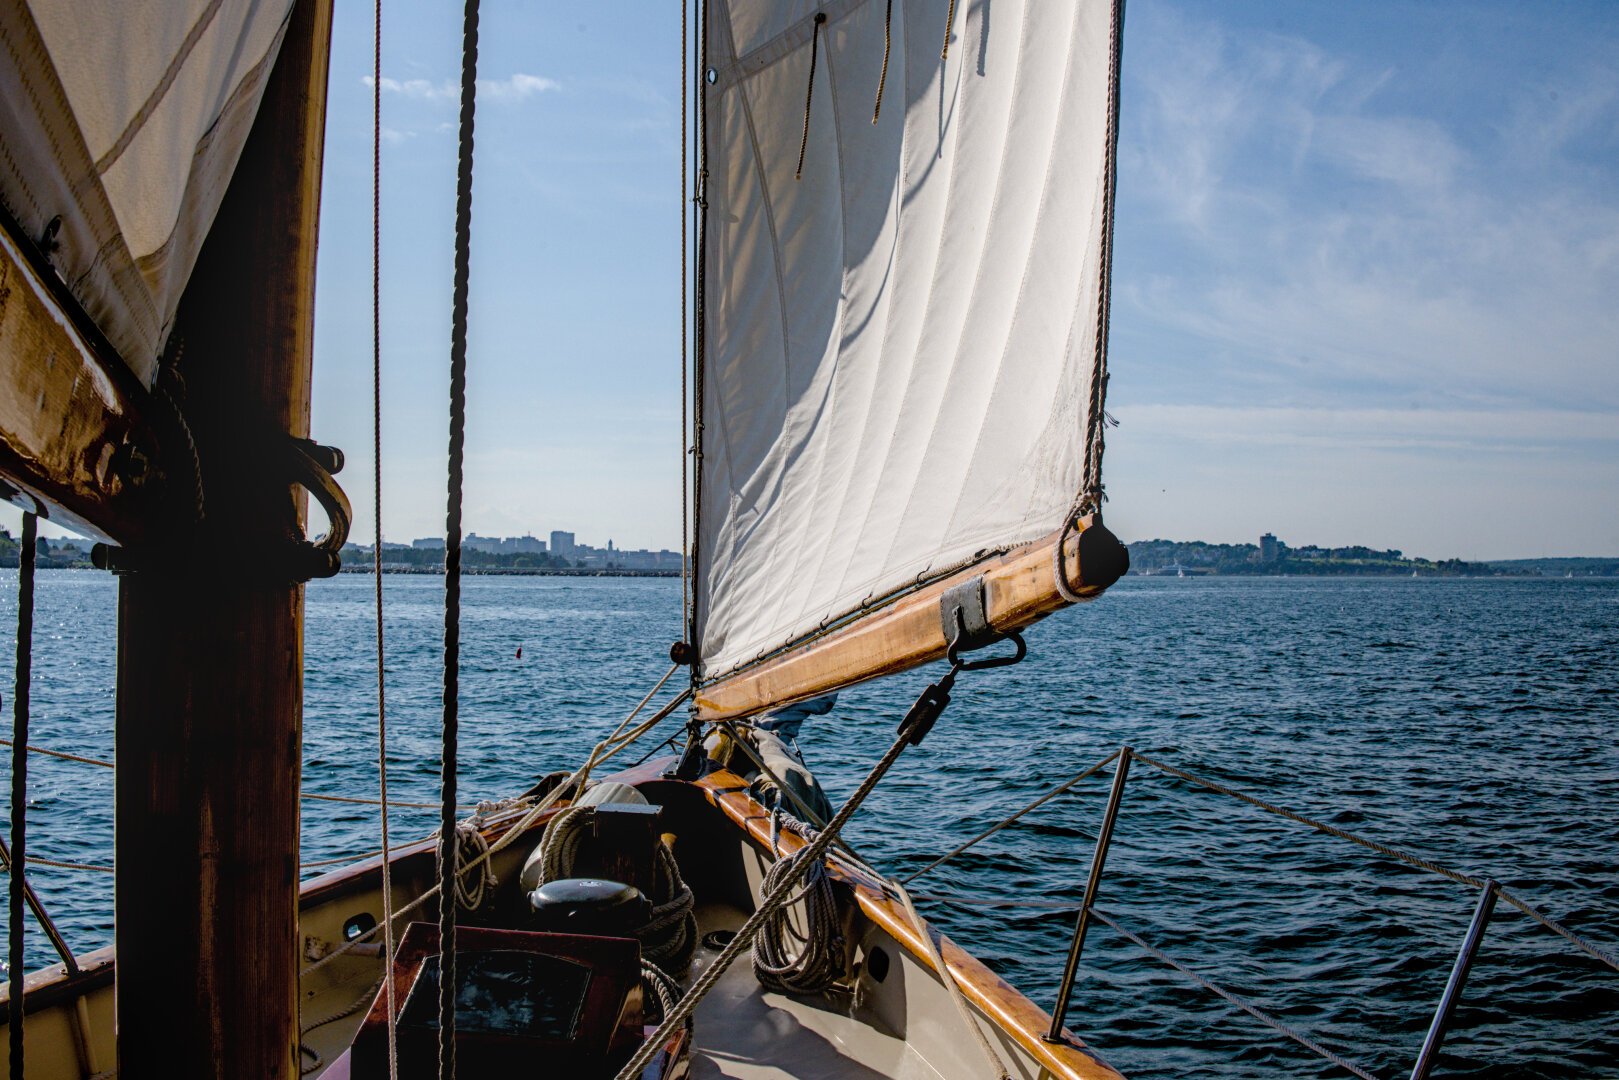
column 125, row 118
column 900, row 342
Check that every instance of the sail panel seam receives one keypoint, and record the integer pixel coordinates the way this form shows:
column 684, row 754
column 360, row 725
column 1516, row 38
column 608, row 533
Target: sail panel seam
column 161, row 90
column 761, row 57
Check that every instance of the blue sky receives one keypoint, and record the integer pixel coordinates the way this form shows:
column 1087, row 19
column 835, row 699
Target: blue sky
column 1366, row 285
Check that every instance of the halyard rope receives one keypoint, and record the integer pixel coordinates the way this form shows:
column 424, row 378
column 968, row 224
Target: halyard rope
column 18, row 857
column 449, row 847
column 376, row 547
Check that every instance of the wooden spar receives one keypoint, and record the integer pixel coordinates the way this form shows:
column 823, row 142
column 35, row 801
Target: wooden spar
column 1019, row 588
column 210, row 657
column 75, row 446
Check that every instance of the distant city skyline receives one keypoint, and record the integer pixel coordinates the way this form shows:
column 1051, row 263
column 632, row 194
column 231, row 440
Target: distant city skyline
column 1363, row 294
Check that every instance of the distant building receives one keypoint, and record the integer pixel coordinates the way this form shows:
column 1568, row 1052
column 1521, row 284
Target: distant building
column 429, row 543
column 474, row 542
column 1270, row 548
column 523, row 545
column 562, row 544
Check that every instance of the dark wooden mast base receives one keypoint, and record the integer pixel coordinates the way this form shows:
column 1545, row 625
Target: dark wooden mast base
column 210, row 660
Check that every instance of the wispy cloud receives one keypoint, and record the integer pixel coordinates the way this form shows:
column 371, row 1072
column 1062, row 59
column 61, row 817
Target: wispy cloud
column 1325, row 232
column 512, row 89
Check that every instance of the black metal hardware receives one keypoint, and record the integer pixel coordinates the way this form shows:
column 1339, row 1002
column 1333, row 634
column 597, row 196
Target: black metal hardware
column 1104, row 837
column 1453, row 987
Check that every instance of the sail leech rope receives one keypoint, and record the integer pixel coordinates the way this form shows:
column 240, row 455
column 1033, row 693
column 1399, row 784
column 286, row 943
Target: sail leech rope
column 449, row 848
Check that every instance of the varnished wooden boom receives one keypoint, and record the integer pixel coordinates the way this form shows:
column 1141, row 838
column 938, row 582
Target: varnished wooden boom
column 75, row 446
column 1019, row 588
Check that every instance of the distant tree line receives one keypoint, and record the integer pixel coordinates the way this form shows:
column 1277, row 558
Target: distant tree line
column 1196, row 556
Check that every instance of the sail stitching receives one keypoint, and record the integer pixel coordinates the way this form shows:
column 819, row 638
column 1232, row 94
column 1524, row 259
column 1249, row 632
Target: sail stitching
column 778, row 48
column 148, row 107
column 84, row 186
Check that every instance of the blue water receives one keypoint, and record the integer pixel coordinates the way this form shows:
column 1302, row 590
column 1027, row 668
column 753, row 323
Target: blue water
column 1472, row 721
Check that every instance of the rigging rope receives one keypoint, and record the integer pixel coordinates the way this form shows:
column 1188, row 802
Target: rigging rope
column 1252, row 1010
column 1003, row 823
column 18, row 856
column 1091, row 493
column 1414, row 861
column 949, row 29
column 448, row 844
column 785, row 959
column 376, row 547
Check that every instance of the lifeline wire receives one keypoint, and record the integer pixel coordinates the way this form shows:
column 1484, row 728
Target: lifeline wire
column 1252, row 1010
column 448, row 844
column 17, row 886
column 376, row 547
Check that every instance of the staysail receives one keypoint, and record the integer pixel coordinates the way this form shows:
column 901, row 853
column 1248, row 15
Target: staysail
column 901, row 306
column 119, row 145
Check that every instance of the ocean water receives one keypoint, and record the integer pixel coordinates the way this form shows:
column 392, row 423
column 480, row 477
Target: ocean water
column 1472, row 721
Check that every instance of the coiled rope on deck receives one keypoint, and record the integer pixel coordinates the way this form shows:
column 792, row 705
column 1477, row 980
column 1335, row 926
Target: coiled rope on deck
column 785, row 958
column 669, row 936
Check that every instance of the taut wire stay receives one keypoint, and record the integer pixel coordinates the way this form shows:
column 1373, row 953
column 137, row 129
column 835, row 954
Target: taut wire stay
column 376, row 547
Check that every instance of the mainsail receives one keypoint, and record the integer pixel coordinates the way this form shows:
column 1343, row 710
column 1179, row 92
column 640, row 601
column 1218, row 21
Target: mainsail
column 900, row 367
column 118, row 146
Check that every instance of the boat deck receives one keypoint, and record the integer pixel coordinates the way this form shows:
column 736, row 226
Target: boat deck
column 746, row 1032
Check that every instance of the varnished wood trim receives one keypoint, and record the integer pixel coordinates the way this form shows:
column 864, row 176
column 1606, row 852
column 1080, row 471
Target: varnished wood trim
column 1021, row 1019
column 75, row 442
column 1019, row 588
column 52, row 986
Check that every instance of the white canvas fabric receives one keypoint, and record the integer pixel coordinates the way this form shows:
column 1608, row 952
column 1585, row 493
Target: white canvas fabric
column 126, row 118
column 899, row 344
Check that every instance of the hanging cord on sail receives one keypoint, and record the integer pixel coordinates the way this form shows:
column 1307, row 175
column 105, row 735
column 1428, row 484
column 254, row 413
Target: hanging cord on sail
column 376, row 547
column 449, row 846
column 809, row 91
column 930, row 704
column 785, row 958
column 949, row 30
column 888, row 42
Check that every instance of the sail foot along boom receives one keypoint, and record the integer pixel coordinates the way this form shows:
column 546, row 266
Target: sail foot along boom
column 1019, row 588
column 902, row 358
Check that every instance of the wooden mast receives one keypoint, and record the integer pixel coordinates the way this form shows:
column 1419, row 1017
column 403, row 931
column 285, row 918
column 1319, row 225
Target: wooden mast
column 210, row 649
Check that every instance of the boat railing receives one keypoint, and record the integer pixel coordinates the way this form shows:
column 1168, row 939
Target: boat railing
column 1489, row 891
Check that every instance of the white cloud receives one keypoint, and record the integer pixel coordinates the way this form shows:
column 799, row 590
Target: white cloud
column 515, row 88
